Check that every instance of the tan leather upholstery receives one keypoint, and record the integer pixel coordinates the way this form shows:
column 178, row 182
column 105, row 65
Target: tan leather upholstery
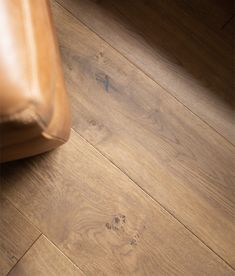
column 34, row 113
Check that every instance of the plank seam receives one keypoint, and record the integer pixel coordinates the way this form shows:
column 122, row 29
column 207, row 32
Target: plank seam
column 146, row 74
column 63, row 253
column 24, row 252
column 41, row 234
column 227, row 22
column 155, row 200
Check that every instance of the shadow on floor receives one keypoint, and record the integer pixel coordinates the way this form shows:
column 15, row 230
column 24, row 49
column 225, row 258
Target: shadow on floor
column 188, row 37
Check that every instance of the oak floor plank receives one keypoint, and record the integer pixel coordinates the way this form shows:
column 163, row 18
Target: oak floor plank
column 180, row 161
column 229, row 29
column 44, row 259
column 100, row 219
column 212, row 13
column 190, row 60
column 16, row 235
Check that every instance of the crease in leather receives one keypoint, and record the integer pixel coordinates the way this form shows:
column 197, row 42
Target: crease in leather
column 59, row 141
column 32, row 110
column 29, row 33
column 26, row 115
column 44, row 134
column 20, row 117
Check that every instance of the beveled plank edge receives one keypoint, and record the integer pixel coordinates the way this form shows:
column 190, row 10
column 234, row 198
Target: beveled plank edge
column 28, row 221
column 24, row 253
column 145, row 73
column 146, row 194
column 149, row 196
column 41, row 234
column 120, row 169
column 62, row 253
column 228, row 22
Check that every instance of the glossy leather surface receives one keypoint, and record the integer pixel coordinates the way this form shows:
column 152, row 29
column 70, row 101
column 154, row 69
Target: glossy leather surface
column 33, row 102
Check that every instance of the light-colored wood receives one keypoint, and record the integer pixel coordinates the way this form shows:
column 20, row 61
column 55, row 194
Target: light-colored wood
column 100, row 219
column 191, row 61
column 180, row 161
column 16, row 235
column 180, row 220
column 44, row 259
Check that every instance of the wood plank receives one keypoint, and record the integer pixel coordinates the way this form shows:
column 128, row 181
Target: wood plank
column 165, row 149
column 212, row 13
column 16, row 235
column 229, row 29
column 100, row 219
column 44, row 258
column 191, row 61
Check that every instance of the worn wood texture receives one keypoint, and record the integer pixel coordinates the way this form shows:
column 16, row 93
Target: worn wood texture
column 16, row 235
column 99, row 218
column 229, row 29
column 169, row 41
column 213, row 14
column 144, row 187
column 176, row 158
column 44, row 259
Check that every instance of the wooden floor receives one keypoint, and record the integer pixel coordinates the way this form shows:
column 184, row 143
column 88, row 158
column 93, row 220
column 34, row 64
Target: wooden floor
column 146, row 184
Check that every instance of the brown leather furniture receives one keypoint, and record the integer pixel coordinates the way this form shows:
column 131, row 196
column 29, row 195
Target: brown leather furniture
column 34, row 113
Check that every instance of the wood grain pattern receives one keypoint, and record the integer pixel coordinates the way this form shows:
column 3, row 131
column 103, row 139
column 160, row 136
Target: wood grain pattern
column 164, row 205
column 178, row 51
column 44, row 259
column 16, row 235
column 99, row 218
column 229, row 29
column 164, row 148
column 212, row 13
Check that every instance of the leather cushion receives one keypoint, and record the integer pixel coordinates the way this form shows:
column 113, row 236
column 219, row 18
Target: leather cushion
column 33, row 102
